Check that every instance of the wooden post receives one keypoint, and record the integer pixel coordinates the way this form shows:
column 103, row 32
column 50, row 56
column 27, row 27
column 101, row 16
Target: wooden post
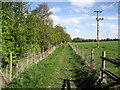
column 92, row 58
column 6, row 71
column 33, row 55
column 42, row 51
column 76, row 49
column 83, row 56
column 103, row 67
column 17, row 68
column 10, row 66
column 27, row 61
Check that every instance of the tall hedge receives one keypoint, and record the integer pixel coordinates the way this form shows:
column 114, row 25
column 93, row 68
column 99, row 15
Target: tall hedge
column 24, row 30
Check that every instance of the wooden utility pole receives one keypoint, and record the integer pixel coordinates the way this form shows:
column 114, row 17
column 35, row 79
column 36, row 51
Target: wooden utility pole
column 98, row 27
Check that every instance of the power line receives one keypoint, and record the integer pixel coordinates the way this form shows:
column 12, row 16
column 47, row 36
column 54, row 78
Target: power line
column 107, row 6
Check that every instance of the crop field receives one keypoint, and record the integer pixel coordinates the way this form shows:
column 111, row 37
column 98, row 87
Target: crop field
column 110, row 47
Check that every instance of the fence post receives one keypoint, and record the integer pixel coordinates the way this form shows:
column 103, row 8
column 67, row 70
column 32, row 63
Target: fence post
column 10, row 66
column 103, row 67
column 42, row 51
column 27, row 61
column 92, row 58
column 76, row 49
column 83, row 55
column 6, row 71
column 17, row 68
column 33, row 55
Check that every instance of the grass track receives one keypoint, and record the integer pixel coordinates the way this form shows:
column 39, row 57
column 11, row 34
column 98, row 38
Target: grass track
column 49, row 73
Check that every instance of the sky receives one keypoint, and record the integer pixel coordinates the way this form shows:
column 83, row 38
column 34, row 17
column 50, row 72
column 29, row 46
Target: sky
column 79, row 18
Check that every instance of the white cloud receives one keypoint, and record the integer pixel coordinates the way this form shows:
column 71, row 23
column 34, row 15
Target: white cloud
column 74, row 33
column 66, row 21
column 111, row 18
column 94, row 25
column 89, row 34
column 84, row 3
column 55, row 9
column 72, row 20
column 55, row 18
column 85, row 15
column 113, row 31
column 78, row 10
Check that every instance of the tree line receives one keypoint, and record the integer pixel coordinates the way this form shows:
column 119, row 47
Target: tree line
column 25, row 30
column 92, row 40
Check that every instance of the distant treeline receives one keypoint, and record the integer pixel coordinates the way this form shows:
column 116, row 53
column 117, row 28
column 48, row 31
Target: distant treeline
column 92, row 40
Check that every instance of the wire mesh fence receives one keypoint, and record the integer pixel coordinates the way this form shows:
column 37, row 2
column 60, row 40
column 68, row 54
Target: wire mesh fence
column 24, row 63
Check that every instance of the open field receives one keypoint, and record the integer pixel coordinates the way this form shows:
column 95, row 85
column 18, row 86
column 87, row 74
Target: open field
column 110, row 47
column 63, row 64
column 52, row 71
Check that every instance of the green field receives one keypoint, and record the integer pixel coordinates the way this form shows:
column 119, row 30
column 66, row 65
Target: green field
column 64, row 63
column 110, row 47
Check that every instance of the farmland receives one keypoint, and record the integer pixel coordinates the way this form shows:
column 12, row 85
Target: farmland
column 64, row 63
column 51, row 72
column 110, row 47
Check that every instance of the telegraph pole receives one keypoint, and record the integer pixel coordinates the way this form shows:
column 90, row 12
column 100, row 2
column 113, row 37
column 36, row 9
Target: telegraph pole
column 98, row 27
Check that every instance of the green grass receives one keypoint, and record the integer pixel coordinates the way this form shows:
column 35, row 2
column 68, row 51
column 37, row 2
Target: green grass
column 110, row 47
column 50, row 72
column 64, row 63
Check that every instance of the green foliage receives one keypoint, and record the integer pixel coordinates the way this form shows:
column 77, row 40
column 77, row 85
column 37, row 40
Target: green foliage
column 24, row 30
column 85, row 78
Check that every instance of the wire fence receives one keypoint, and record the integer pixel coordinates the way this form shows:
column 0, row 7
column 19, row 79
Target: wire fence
column 88, row 60
column 6, row 74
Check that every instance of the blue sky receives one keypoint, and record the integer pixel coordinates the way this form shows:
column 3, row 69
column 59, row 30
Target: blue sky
column 79, row 18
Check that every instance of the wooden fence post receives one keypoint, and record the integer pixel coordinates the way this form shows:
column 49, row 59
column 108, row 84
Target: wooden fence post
column 92, row 58
column 33, row 55
column 17, row 68
column 42, row 51
column 83, row 54
column 103, row 67
column 6, row 71
column 27, row 61
column 10, row 66
column 76, row 49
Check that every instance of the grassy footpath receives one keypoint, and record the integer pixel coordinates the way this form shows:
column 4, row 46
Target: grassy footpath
column 111, row 49
column 50, row 72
